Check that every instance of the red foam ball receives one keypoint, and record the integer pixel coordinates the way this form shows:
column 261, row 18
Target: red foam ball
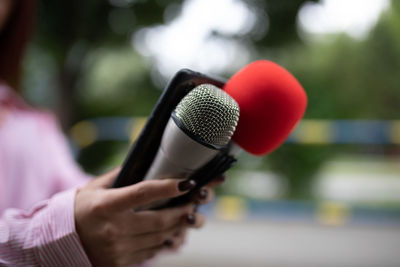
column 271, row 103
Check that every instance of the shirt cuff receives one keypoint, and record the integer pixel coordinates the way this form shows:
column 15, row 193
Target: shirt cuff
column 58, row 242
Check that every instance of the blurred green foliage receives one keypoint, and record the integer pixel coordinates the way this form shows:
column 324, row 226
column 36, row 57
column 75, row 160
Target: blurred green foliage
column 344, row 79
column 88, row 69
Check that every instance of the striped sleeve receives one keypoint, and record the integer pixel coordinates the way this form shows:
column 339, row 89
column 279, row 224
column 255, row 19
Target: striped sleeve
column 45, row 236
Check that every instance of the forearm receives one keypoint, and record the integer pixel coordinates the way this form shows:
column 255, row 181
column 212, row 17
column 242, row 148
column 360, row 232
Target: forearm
column 45, row 236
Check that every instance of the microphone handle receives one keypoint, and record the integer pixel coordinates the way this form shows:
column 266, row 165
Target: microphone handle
column 178, row 155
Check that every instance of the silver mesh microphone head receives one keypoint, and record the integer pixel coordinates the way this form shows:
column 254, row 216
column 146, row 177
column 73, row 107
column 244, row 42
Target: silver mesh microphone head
column 209, row 113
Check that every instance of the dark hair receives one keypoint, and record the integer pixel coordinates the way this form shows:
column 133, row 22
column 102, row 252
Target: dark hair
column 13, row 40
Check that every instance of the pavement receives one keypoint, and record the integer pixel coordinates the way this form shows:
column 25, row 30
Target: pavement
column 262, row 242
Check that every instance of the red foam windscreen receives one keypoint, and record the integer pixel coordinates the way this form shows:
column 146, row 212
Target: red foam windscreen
column 271, row 103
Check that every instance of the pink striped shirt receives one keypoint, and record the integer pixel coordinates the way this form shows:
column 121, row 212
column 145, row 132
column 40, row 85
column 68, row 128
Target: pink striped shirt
column 38, row 180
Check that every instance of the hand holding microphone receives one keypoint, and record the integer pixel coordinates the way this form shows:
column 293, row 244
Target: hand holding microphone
column 271, row 102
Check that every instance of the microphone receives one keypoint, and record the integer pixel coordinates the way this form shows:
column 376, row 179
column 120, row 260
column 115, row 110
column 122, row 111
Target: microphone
column 271, row 102
column 202, row 123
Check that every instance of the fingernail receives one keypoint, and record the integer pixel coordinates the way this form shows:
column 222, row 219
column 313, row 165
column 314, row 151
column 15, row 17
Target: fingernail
column 186, row 185
column 191, row 219
column 203, row 193
column 168, row 243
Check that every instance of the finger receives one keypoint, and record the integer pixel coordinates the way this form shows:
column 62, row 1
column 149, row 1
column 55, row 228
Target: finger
column 204, row 195
column 150, row 240
column 195, row 220
column 181, row 230
column 158, row 220
column 106, row 180
column 147, row 192
column 178, row 240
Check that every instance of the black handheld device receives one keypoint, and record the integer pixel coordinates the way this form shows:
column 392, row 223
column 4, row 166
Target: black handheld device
column 144, row 149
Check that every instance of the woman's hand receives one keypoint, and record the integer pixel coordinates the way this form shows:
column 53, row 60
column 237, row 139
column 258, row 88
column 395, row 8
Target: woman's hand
column 113, row 234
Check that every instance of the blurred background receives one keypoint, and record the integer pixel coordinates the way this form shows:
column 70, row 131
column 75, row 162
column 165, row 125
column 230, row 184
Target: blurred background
column 329, row 196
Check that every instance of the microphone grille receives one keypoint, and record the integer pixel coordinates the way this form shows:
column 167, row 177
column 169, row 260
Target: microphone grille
column 209, row 113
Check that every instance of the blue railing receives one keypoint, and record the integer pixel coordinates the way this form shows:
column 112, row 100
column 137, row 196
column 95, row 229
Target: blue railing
column 307, row 131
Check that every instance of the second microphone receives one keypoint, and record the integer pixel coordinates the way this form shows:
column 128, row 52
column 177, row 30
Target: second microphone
column 201, row 124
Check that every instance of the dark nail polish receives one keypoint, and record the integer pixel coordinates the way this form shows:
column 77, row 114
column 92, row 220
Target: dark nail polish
column 168, row 243
column 191, row 219
column 203, row 193
column 186, row 185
